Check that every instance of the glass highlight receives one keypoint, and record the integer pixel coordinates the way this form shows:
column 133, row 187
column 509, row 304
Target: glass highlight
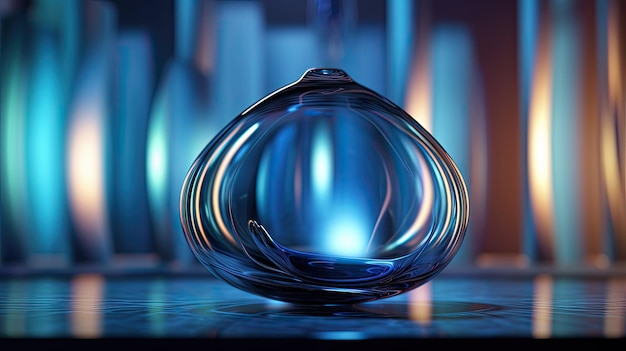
column 324, row 192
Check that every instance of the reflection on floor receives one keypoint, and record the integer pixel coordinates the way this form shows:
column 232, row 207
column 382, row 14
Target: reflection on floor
column 453, row 305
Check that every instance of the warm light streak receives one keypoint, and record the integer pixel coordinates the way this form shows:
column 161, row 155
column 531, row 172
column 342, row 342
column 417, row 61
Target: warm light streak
column 540, row 145
column 204, row 55
column 418, row 102
column 542, row 307
column 86, row 169
column 614, row 60
column 611, row 170
column 613, row 129
column 615, row 314
column 419, row 91
column 421, row 304
column 87, row 291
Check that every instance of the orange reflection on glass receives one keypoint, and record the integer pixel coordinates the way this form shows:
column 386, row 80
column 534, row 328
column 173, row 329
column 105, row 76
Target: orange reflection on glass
column 615, row 314
column 542, row 307
column 87, row 291
column 421, row 304
column 540, row 146
column 215, row 194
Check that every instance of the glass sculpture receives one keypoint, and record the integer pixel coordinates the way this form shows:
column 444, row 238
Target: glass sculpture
column 324, row 192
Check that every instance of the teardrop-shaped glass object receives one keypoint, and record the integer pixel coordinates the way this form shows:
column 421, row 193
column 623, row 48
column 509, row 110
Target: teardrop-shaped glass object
column 324, row 192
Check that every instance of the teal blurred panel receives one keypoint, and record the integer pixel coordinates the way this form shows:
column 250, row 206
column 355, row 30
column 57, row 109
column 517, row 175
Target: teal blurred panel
column 54, row 44
column 334, row 23
column 48, row 239
column 566, row 119
column 240, row 59
column 186, row 23
column 365, row 59
column 157, row 305
column 1, row 199
column 343, row 42
column 42, row 323
column 181, row 123
column 89, row 147
column 14, row 323
column 64, row 19
column 195, row 100
column 177, row 132
column 528, row 26
column 43, row 102
column 7, row 8
column 565, row 295
column 129, row 213
column 527, row 36
column 13, row 96
column 290, row 51
column 556, row 22
column 453, row 66
column 195, row 33
column 168, row 157
column 399, row 48
column 602, row 15
column 157, row 157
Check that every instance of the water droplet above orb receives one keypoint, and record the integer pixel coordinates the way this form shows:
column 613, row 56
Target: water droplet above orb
column 324, row 192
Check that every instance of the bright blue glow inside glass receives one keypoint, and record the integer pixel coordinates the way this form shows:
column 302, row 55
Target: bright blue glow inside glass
column 324, row 192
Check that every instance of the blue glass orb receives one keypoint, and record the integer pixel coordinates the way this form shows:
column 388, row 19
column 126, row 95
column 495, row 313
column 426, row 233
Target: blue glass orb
column 324, row 192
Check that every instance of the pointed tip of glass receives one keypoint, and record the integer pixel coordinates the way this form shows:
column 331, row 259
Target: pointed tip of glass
column 326, row 75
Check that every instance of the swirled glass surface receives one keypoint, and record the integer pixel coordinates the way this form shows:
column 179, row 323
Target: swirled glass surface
column 324, row 192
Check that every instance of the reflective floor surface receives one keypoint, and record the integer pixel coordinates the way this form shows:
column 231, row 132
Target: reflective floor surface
column 541, row 306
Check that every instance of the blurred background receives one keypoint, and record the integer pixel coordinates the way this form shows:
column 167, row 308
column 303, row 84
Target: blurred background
column 104, row 105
